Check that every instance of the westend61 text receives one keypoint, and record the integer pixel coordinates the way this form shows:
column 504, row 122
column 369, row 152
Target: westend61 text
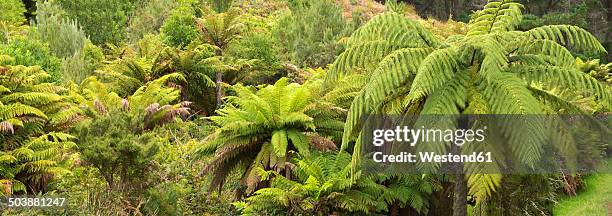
column 432, row 157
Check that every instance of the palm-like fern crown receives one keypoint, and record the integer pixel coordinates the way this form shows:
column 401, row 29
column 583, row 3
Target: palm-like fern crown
column 220, row 29
column 154, row 101
column 493, row 69
column 271, row 121
column 32, row 114
column 323, row 183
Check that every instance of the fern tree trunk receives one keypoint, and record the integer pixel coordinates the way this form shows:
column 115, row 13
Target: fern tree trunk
column 460, row 191
column 460, row 199
column 219, row 82
column 218, row 93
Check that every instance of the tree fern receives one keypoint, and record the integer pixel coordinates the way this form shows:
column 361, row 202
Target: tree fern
column 322, row 183
column 272, row 121
column 32, row 115
column 155, row 102
column 493, row 65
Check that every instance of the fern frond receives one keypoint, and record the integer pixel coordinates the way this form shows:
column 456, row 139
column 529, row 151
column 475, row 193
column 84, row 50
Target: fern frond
column 18, row 110
column 395, row 71
column 525, row 135
column 497, row 16
column 439, row 66
column 396, row 26
column 4, row 89
column 558, row 54
column 564, row 77
column 573, row 37
column 363, row 56
column 481, row 186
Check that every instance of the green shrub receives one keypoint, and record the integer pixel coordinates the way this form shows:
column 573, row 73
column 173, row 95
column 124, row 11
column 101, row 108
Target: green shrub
column 112, row 144
column 86, row 193
column 93, row 57
column 12, row 11
column 149, row 18
column 168, row 199
column 29, row 52
column 180, row 28
column 220, row 6
column 258, row 44
column 82, row 64
column 310, row 33
column 105, row 21
column 577, row 16
column 64, row 36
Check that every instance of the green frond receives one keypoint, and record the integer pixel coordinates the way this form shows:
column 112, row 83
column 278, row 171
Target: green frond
column 562, row 106
column 47, row 87
column 525, row 135
column 507, row 94
column 4, row 89
column 564, row 77
column 18, row 110
column 366, row 48
column 32, row 98
column 437, row 67
column 345, row 90
column 173, row 77
column 300, row 142
column 558, row 104
column 497, row 16
column 486, row 50
column 481, row 186
column 450, row 99
column 558, row 54
column 66, row 116
column 361, row 56
column 393, row 72
column 18, row 186
column 280, row 142
column 7, row 158
column 397, row 27
column 572, row 37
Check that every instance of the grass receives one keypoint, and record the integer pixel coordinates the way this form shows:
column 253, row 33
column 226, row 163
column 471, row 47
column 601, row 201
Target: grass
column 596, row 199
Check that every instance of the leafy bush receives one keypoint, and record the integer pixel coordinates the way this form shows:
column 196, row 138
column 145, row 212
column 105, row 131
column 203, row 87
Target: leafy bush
column 180, row 28
column 82, row 64
column 220, row 6
column 67, row 41
column 86, row 192
column 149, row 18
column 28, row 52
column 118, row 140
column 114, row 146
column 64, row 36
column 258, row 44
column 168, row 199
column 311, row 31
column 12, row 11
column 104, row 21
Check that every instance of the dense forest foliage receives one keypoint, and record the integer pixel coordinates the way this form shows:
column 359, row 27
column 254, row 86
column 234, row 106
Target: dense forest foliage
column 256, row 107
